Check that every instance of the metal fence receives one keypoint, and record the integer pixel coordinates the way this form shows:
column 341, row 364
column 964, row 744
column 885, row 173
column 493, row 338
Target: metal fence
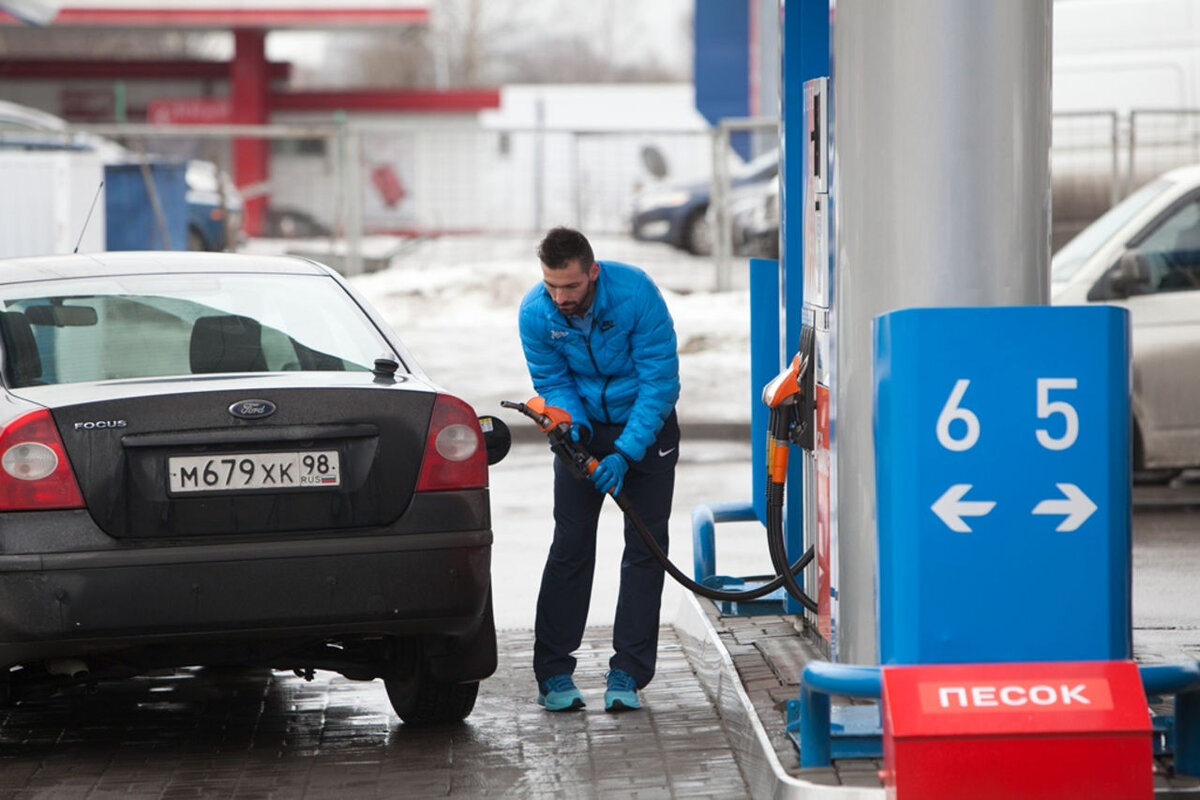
column 1085, row 170
column 361, row 178
column 1100, row 158
column 763, row 133
column 1160, row 141
column 447, row 178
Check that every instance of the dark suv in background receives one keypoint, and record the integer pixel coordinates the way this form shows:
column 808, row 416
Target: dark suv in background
column 678, row 214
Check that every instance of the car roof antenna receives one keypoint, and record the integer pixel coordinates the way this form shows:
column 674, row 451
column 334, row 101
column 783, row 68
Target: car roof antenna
column 89, row 217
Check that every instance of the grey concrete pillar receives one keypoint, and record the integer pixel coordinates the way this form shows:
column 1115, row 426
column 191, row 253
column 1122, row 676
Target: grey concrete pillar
column 942, row 198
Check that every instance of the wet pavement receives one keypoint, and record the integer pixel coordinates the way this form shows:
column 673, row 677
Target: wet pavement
column 261, row 734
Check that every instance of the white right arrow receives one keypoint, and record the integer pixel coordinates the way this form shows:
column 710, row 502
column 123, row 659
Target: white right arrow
column 1077, row 507
column 951, row 507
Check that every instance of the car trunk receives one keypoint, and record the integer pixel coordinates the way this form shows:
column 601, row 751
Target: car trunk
column 180, row 465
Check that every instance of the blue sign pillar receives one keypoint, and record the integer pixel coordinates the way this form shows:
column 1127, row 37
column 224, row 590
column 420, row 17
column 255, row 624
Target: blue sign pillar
column 1003, row 475
column 721, row 66
column 805, row 55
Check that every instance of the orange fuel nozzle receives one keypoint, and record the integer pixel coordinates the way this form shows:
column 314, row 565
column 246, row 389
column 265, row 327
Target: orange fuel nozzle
column 784, row 388
column 548, row 418
column 551, row 416
column 556, row 424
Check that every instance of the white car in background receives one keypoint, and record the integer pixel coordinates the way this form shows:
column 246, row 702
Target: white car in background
column 1144, row 255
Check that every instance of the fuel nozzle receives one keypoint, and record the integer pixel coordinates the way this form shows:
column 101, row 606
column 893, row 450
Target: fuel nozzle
column 555, row 422
column 787, row 397
column 548, row 418
column 787, row 387
column 784, row 389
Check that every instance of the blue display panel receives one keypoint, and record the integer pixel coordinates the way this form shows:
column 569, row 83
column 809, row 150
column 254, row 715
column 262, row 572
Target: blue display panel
column 721, row 64
column 1003, row 480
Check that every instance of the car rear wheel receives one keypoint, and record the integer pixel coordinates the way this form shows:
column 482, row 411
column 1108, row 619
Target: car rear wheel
column 418, row 699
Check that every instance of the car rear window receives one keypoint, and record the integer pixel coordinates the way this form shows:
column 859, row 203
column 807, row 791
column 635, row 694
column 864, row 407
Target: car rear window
column 142, row 326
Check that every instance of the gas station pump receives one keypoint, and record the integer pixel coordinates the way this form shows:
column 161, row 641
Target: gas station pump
column 925, row 351
column 820, row 519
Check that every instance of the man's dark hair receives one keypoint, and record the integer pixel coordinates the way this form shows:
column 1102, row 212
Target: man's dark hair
column 562, row 245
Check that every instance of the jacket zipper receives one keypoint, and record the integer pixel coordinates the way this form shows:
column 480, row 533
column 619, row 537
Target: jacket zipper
column 607, row 378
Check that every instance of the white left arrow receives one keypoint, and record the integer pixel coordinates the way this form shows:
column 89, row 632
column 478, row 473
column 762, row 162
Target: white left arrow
column 1077, row 507
column 951, row 507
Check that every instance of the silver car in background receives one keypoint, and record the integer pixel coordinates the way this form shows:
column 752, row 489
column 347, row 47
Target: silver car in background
column 1144, row 255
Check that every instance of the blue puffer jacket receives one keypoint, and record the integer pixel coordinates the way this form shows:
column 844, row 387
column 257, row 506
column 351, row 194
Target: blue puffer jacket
column 626, row 370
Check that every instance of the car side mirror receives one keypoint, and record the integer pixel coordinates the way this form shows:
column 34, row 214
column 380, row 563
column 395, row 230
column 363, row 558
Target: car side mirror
column 496, row 438
column 1130, row 274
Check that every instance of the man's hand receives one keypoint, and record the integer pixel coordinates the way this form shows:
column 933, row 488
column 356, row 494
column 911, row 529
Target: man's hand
column 609, row 474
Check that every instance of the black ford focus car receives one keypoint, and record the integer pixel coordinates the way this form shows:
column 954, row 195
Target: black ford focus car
column 212, row 459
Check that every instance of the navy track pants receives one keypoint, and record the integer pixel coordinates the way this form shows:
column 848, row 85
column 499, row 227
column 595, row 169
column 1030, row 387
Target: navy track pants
column 566, row 590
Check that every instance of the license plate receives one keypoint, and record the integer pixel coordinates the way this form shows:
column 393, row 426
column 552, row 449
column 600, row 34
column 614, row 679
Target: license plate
column 307, row 469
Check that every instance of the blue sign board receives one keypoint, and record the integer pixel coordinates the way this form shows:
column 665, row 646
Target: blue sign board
column 721, row 67
column 1003, row 481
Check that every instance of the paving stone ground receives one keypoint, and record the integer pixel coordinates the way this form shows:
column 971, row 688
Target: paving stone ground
column 769, row 653
column 273, row 736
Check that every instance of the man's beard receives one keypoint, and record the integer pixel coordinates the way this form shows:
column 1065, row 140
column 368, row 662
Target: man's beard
column 579, row 307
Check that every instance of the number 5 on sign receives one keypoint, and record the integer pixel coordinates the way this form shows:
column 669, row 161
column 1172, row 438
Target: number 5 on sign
column 1047, row 408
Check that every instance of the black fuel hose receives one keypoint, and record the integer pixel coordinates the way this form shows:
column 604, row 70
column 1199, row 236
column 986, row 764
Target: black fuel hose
column 707, row 591
column 780, row 425
column 581, row 463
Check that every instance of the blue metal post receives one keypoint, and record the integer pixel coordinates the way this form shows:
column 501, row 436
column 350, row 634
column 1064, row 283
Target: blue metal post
column 704, row 545
column 1184, row 681
column 815, row 740
column 818, row 681
column 704, row 542
column 1187, row 733
column 766, row 360
column 805, row 55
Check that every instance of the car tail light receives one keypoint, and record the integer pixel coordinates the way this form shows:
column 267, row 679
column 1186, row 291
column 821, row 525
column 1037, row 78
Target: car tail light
column 455, row 457
column 34, row 471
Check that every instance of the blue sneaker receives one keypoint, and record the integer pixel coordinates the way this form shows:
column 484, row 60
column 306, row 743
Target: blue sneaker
column 622, row 691
column 558, row 693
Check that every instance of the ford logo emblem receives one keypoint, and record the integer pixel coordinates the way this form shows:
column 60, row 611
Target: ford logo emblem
column 252, row 409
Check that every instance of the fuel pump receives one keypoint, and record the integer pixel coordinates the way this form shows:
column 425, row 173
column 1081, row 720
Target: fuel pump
column 817, row 313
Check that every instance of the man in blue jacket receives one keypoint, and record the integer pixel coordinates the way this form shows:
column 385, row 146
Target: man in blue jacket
column 600, row 343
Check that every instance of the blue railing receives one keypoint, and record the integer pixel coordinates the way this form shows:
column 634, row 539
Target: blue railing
column 821, row 679
column 704, row 535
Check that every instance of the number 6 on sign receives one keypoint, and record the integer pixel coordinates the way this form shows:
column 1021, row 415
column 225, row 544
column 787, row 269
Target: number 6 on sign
column 1047, row 408
column 953, row 411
